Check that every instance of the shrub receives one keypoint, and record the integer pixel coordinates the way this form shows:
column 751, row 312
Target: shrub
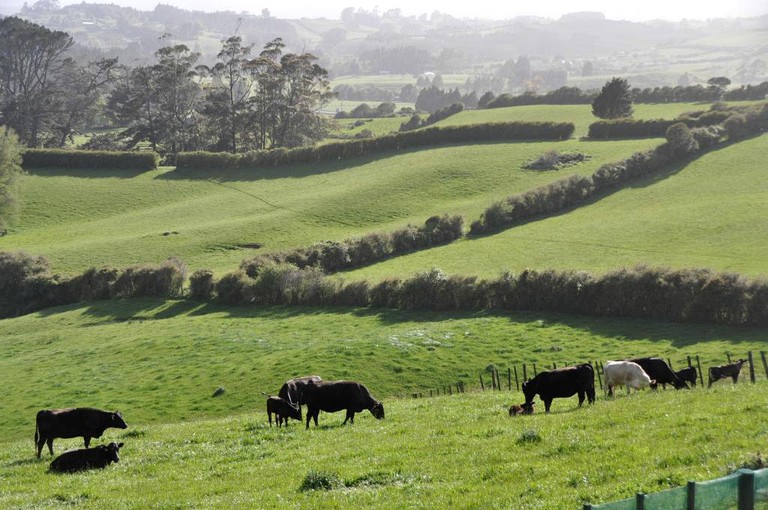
column 163, row 280
column 229, row 288
column 386, row 294
column 680, row 140
column 201, row 284
column 320, row 480
column 93, row 284
column 736, row 126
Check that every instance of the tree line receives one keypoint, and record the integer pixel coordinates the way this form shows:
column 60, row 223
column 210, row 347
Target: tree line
column 242, row 102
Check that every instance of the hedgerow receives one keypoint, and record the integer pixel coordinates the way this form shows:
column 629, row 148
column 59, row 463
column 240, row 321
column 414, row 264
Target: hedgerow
column 81, row 159
column 366, row 147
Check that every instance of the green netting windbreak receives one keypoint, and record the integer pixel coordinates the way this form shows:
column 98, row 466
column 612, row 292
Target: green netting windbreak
column 719, row 494
column 761, row 489
column 672, row 499
column 624, row 504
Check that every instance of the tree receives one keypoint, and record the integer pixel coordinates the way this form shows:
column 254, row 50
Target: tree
column 719, row 84
column 680, row 140
column 31, row 57
column 227, row 103
column 614, row 100
column 161, row 101
column 291, row 89
column 10, row 168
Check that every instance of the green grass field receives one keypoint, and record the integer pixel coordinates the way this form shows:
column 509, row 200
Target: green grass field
column 79, row 219
column 709, row 213
column 160, row 362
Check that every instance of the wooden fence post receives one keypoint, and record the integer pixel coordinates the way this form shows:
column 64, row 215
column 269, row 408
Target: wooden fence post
column 498, row 379
column 525, row 373
column 517, row 381
column 669, row 361
column 535, row 373
column 639, row 501
column 701, row 374
column 729, row 357
column 746, row 489
column 689, row 362
column 554, row 366
column 509, row 379
column 765, row 363
column 751, row 367
column 599, row 377
column 482, row 386
column 691, row 503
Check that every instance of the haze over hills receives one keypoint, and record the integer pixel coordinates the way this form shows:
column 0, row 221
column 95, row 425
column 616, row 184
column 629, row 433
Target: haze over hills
column 577, row 49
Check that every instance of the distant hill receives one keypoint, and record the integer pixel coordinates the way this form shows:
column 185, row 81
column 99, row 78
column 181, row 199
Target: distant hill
column 581, row 48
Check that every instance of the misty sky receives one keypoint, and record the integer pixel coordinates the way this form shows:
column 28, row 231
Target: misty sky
column 493, row 9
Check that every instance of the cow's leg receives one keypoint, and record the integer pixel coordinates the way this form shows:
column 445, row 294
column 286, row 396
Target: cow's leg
column 39, row 443
column 50, row 444
column 591, row 395
column 582, row 396
column 350, row 416
column 87, row 440
column 269, row 415
column 547, row 403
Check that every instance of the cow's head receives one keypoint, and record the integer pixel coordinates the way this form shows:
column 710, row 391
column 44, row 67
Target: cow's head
column 294, row 411
column 529, row 390
column 118, row 421
column 378, row 410
column 527, row 407
column 112, row 451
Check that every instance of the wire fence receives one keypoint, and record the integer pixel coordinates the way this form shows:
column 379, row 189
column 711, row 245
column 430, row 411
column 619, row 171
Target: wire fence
column 743, row 490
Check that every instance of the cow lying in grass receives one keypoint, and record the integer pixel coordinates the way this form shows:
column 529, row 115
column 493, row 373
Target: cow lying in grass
column 723, row 371
column 87, row 458
column 282, row 409
column 524, row 408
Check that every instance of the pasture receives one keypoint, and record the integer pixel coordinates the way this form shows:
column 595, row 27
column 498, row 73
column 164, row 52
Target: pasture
column 79, row 219
column 709, row 213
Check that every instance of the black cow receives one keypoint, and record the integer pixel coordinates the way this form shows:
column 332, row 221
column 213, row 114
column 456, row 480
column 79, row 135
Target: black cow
column 293, row 388
column 688, row 375
column 657, row 369
column 88, row 458
column 723, row 371
column 562, row 383
column 333, row 396
column 66, row 423
column 282, row 409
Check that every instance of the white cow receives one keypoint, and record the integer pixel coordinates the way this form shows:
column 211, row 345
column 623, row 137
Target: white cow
column 625, row 372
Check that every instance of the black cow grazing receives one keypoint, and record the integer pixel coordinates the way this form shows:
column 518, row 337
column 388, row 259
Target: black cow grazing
column 657, row 369
column 88, row 458
column 562, row 383
column 723, row 371
column 293, row 388
column 333, row 396
column 282, row 409
column 524, row 408
column 66, row 423
column 687, row 375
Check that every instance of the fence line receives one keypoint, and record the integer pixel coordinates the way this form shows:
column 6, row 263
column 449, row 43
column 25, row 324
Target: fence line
column 742, row 490
column 495, row 382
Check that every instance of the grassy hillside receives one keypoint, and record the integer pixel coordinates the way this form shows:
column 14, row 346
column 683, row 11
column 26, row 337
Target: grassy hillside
column 159, row 363
column 711, row 212
column 84, row 218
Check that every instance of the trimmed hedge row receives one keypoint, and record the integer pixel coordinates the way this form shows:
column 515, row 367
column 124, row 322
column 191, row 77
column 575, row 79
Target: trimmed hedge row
column 59, row 158
column 572, row 191
column 656, row 128
column 360, row 148
column 27, row 285
column 334, row 256
column 683, row 295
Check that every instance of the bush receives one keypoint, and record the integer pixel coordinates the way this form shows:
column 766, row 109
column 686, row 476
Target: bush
column 92, row 285
column 736, row 126
column 163, row 280
column 77, row 159
column 201, row 284
column 680, row 141
column 229, row 288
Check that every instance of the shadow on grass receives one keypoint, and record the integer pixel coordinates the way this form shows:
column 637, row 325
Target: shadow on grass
column 679, row 335
column 86, row 173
